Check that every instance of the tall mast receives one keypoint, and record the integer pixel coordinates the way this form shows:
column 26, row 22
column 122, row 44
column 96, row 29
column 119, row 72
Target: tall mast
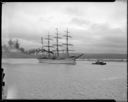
column 48, row 38
column 42, row 42
column 57, row 42
column 48, row 43
column 67, row 44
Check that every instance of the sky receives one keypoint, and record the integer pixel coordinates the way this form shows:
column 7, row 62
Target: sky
column 95, row 27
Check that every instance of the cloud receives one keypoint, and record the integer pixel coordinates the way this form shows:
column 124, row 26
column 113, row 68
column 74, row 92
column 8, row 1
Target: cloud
column 74, row 11
column 28, row 44
column 80, row 21
column 94, row 27
column 116, row 43
column 100, row 38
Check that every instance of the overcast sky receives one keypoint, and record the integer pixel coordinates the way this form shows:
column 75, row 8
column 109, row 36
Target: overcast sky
column 95, row 27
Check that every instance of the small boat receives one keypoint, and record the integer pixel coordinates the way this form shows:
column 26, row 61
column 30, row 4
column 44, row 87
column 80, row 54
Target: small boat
column 98, row 62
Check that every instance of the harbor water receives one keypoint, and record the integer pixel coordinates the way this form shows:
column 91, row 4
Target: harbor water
column 28, row 79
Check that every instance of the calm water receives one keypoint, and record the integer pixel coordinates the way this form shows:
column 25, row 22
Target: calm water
column 28, row 79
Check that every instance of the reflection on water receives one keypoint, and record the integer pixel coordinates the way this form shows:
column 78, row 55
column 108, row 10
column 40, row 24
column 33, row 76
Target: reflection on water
column 28, row 79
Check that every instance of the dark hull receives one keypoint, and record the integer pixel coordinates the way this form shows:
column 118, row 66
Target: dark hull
column 99, row 63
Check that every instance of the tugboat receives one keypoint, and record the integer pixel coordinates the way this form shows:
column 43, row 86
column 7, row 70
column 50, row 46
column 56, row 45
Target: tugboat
column 55, row 58
column 99, row 62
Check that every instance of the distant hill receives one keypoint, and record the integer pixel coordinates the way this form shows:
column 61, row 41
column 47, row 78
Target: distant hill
column 104, row 56
column 85, row 56
column 16, row 55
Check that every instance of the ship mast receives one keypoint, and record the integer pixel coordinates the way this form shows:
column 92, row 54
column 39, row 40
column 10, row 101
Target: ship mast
column 42, row 42
column 57, row 42
column 48, row 38
column 67, row 44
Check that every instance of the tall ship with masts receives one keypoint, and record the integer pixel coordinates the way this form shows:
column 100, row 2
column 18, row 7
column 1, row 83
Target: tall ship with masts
column 54, row 56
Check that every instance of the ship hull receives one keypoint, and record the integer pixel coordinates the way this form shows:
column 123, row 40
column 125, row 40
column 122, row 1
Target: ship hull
column 58, row 61
column 99, row 63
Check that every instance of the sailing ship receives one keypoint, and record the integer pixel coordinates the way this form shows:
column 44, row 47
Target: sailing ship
column 54, row 57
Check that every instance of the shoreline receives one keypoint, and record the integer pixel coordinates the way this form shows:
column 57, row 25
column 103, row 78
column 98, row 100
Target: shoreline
column 105, row 60
column 85, row 57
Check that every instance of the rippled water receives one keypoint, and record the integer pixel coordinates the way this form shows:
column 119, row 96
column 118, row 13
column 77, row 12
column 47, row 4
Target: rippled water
column 28, row 79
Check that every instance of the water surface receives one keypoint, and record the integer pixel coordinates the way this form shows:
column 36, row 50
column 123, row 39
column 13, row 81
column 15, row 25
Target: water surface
column 28, row 79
